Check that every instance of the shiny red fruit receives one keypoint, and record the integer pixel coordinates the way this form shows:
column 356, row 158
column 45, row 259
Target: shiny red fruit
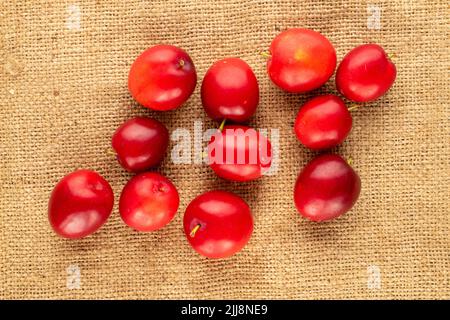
column 326, row 188
column 140, row 143
column 230, row 90
column 162, row 77
column 148, row 202
column 323, row 122
column 218, row 224
column 365, row 73
column 301, row 60
column 80, row 204
column 239, row 153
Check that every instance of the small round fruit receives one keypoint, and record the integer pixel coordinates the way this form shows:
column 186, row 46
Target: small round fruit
column 80, row 204
column 326, row 188
column 140, row 143
column 162, row 78
column 301, row 60
column 365, row 73
column 230, row 90
column 218, row 224
column 323, row 122
column 148, row 202
column 239, row 153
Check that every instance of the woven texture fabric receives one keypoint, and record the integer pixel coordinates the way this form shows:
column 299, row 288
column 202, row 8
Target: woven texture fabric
column 63, row 91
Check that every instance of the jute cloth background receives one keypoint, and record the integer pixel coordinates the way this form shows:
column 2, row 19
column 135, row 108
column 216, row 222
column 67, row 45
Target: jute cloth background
column 64, row 91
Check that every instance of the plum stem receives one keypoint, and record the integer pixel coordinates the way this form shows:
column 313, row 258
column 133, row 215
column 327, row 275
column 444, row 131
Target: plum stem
column 353, row 107
column 111, row 152
column 194, row 230
column 391, row 55
column 222, row 125
column 266, row 54
column 349, row 161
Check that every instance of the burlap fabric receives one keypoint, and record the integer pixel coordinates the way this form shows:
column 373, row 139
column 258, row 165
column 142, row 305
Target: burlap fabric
column 64, row 91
